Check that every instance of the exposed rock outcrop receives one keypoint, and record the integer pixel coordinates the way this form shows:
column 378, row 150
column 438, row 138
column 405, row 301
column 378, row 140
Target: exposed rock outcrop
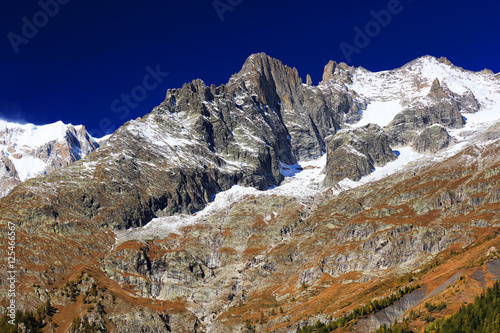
column 491, row 133
column 438, row 107
column 355, row 153
column 338, row 72
column 309, row 81
column 432, row 140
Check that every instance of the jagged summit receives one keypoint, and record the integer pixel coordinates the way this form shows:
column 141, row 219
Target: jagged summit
column 340, row 72
column 437, row 91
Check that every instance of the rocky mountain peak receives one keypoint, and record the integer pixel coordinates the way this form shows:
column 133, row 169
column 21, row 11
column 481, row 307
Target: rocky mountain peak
column 445, row 61
column 439, row 91
column 487, row 71
column 29, row 150
column 309, row 80
column 267, row 74
column 328, row 73
column 337, row 71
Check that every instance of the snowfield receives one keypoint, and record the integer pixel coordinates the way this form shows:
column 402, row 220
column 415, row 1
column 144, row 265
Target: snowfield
column 379, row 113
column 18, row 141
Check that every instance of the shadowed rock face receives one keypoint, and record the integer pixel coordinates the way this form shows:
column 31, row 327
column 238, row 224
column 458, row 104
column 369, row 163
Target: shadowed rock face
column 355, row 153
column 432, row 140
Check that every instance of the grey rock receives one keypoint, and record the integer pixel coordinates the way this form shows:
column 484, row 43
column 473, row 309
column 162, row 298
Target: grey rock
column 438, row 107
column 432, row 140
column 388, row 315
column 492, row 133
column 356, row 153
column 467, row 102
column 309, row 80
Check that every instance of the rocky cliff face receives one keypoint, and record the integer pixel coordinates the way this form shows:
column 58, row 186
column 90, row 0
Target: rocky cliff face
column 9, row 177
column 432, row 140
column 264, row 108
column 354, row 154
column 440, row 106
column 213, row 212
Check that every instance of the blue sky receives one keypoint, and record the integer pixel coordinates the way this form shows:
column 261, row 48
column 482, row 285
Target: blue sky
column 77, row 61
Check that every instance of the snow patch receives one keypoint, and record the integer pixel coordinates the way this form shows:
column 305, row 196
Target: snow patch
column 28, row 167
column 380, row 113
column 33, row 135
column 162, row 227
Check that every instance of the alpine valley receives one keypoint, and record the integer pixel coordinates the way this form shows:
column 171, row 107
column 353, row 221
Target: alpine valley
column 263, row 205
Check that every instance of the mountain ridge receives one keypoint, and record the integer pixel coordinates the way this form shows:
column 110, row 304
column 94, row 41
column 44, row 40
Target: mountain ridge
column 224, row 201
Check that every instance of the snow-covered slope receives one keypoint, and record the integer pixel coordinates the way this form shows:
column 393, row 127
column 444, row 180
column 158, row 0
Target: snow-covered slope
column 389, row 92
column 29, row 150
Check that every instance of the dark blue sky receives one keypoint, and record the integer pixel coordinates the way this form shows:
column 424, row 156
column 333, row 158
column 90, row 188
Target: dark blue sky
column 82, row 61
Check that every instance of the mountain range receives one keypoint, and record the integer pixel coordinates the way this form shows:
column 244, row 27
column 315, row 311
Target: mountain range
column 264, row 204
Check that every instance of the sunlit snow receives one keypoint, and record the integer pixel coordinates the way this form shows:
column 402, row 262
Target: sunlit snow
column 380, row 113
column 29, row 137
